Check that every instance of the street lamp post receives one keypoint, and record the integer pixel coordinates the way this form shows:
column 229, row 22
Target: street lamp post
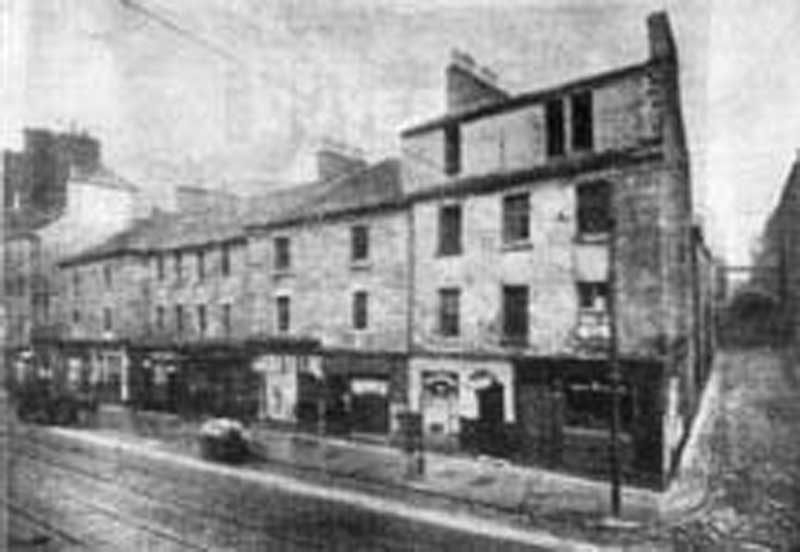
column 615, row 376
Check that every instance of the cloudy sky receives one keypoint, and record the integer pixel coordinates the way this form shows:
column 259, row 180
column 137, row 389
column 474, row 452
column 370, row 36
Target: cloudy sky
column 237, row 93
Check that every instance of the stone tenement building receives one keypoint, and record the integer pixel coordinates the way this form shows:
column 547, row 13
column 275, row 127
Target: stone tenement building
column 468, row 282
column 777, row 267
column 60, row 199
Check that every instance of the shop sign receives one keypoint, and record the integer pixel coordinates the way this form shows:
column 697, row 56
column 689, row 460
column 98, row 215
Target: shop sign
column 369, row 386
column 440, row 383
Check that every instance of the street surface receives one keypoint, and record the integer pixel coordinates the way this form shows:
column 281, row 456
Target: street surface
column 68, row 494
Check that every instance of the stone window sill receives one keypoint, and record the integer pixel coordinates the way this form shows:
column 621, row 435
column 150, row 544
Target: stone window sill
column 521, row 245
column 361, row 265
column 593, row 238
column 282, row 273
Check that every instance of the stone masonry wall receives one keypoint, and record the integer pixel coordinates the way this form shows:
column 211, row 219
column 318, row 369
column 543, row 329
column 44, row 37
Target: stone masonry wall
column 322, row 280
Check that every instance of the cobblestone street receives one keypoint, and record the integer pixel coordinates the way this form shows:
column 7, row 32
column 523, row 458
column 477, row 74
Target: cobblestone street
column 754, row 503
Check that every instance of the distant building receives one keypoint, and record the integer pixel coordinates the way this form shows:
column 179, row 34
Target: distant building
column 776, row 270
column 62, row 200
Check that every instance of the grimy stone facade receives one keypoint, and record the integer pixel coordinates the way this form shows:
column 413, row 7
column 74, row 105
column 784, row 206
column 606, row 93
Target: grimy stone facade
column 477, row 156
column 469, row 281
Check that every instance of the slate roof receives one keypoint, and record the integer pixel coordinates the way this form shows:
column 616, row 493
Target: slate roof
column 369, row 188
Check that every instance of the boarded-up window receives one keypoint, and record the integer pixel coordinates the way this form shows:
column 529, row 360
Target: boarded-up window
column 594, row 207
column 515, row 313
column 516, row 218
column 450, row 230
column 449, row 311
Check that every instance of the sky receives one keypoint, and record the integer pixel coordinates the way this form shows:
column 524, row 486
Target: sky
column 237, row 94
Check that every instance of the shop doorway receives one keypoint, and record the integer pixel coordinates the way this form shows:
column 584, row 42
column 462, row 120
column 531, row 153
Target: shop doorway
column 370, row 405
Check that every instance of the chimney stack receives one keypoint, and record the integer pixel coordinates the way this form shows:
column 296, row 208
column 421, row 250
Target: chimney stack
column 336, row 159
column 468, row 85
column 662, row 42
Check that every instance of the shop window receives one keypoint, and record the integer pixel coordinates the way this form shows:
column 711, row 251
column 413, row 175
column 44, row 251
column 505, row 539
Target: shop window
column 360, row 310
column 582, row 127
column 449, row 311
column 202, row 325
column 283, row 310
column 283, row 259
column 359, row 243
column 225, row 260
column 594, row 208
column 201, row 265
column 516, row 218
column 515, row 314
column 452, row 149
column 450, row 230
column 160, row 317
column 588, row 405
column 226, row 319
column 554, row 115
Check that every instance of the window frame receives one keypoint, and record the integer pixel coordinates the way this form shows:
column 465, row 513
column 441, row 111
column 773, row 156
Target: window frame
column 449, row 312
column 282, row 253
column 591, row 198
column 202, row 319
column 360, row 310
column 582, row 103
column 555, row 139
column 283, row 313
column 452, row 149
column 359, row 248
column 523, row 314
column 509, row 224
column 179, row 319
column 160, row 317
column 108, row 321
column 225, row 259
column 226, row 319
column 450, row 242
column 177, row 258
column 200, row 263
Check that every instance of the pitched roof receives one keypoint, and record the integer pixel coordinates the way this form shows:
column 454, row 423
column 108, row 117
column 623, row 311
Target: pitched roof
column 371, row 187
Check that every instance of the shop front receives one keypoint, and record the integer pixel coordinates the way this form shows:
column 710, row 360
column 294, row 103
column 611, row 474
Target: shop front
column 364, row 391
column 464, row 403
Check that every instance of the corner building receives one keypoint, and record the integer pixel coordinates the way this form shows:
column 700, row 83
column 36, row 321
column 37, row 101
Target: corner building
column 514, row 203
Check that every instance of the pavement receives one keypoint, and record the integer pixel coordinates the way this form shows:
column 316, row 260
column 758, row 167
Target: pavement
column 491, row 488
